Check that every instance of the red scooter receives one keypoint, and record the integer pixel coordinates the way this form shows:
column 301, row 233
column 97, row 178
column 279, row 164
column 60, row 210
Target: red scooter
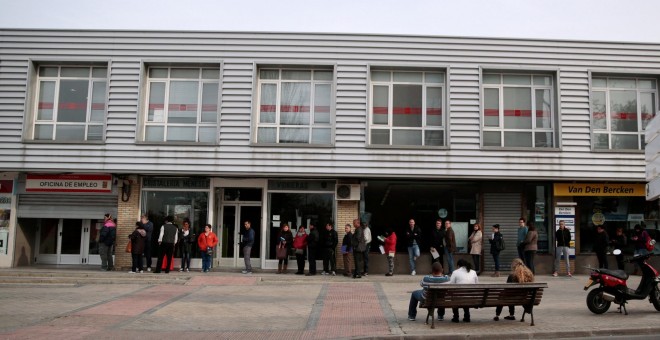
column 613, row 286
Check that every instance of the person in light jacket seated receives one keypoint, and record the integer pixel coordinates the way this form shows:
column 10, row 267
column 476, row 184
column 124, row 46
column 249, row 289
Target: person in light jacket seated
column 463, row 275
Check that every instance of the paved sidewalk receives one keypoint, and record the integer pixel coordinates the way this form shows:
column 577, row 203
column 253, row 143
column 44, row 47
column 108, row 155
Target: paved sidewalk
column 72, row 304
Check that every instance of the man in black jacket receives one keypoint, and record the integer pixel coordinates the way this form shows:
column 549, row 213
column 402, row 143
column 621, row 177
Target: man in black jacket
column 168, row 237
column 330, row 240
column 600, row 246
column 312, row 249
column 359, row 245
column 438, row 241
column 413, row 236
column 563, row 240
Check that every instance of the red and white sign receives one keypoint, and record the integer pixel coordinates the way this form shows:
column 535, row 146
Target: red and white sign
column 68, row 183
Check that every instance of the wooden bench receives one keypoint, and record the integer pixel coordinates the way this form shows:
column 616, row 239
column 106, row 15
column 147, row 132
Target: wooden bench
column 438, row 295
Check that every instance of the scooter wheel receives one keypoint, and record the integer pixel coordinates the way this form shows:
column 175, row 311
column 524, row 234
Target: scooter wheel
column 596, row 303
column 655, row 297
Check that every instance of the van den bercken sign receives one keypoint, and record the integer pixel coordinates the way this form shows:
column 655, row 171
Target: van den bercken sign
column 68, row 183
column 599, row 189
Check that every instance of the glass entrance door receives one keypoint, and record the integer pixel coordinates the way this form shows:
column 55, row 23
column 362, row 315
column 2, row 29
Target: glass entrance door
column 60, row 241
column 232, row 217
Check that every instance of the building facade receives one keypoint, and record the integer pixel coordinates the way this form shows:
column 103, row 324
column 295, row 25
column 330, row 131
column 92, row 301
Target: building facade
column 301, row 128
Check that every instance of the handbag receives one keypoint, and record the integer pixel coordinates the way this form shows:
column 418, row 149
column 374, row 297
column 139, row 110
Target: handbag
column 129, row 246
column 281, row 253
column 209, row 251
column 650, row 244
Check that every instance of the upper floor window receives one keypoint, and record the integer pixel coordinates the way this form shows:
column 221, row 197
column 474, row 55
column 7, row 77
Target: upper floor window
column 406, row 108
column 182, row 104
column 71, row 103
column 621, row 108
column 519, row 110
column 295, row 106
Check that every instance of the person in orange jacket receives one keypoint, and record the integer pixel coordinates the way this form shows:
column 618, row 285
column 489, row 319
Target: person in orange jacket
column 390, row 250
column 207, row 242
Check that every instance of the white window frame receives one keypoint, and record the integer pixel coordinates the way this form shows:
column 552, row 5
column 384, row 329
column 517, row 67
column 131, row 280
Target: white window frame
column 390, row 107
column 312, row 125
column 533, row 130
column 164, row 123
column 608, row 118
column 56, row 97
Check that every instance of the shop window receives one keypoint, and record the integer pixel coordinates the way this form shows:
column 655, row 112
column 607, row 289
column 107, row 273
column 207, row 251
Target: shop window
column 621, row 108
column 70, row 104
column 407, row 108
column 295, row 106
column 518, row 110
column 182, row 104
column 537, row 202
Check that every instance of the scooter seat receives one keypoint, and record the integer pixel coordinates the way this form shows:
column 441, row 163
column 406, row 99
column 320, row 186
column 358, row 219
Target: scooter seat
column 620, row 274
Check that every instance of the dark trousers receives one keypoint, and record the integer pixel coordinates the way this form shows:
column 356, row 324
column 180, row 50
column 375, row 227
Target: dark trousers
column 359, row 262
column 137, row 262
column 496, row 259
column 529, row 260
column 166, row 250
column 466, row 313
column 619, row 262
column 185, row 260
column 521, row 252
column 300, row 259
column 477, row 262
column 311, row 257
column 498, row 310
column 147, row 251
column 440, row 258
column 329, row 260
column 366, row 258
column 602, row 259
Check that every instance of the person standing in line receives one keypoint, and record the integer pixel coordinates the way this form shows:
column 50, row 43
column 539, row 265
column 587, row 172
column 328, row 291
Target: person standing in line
column 168, row 237
column 149, row 228
column 285, row 238
column 450, row 245
column 640, row 237
column 496, row 246
column 563, row 241
column 330, row 241
column 531, row 246
column 187, row 239
column 522, row 234
column 359, row 245
column 390, row 250
column 312, row 249
column 346, row 249
column 619, row 241
column 601, row 241
column 413, row 236
column 107, row 237
column 207, row 241
column 137, row 238
column 438, row 242
column 418, row 296
column 475, row 247
column 463, row 275
column 300, row 246
column 367, row 239
column 519, row 274
column 247, row 243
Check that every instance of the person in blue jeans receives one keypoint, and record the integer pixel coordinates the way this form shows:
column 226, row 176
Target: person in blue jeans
column 418, row 296
column 413, row 236
column 450, row 245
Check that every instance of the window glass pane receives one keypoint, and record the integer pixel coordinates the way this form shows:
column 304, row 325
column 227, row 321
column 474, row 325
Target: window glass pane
column 95, row 132
column 266, row 135
column 434, row 138
column 78, row 72
column 46, row 100
column 625, row 141
column 294, row 135
column 210, row 73
column 156, row 111
column 598, row 106
column 322, row 75
column 647, row 104
column 322, row 97
column 296, row 75
column 492, row 107
column 517, row 79
column 209, row 102
column 623, row 110
column 158, row 73
column 646, row 84
column 188, row 73
column 622, row 83
column 408, row 77
column 517, row 108
column 269, row 74
column 320, row 136
column 380, row 106
column 181, row 133
column 598, row 82
column 380, row 137
column 492, row 79
column 268, row 105
column 43, row 132
column 182, row 107
column 207, row 134
column 72, row 106
column 69, row 132
column 543, row 109
column 99, row 72
column 154, row 134
column 435, row 78
column 406, row 137
column 542, row 80
column 48, row 71
column 517, row 139
column 295, row 101
column 407, row 102
column 380, row 76
column 600, row 141
column 543, row 140
column 492, row 138
column 98, row 101
column 434, row 106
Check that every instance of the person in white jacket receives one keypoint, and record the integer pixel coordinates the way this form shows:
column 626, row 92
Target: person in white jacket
column 463, row 275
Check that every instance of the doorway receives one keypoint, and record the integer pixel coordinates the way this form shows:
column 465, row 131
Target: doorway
column 232, row 216
column 67, row 241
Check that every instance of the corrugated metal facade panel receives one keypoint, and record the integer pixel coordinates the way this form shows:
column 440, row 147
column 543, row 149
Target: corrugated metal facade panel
column 352, row 55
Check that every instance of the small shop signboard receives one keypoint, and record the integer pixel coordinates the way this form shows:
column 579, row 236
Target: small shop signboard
column 97, row 183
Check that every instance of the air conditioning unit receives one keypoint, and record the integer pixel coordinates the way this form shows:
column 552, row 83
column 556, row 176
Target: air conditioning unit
column 347, row 192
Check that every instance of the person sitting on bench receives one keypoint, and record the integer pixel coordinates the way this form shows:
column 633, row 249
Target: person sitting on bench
column 417, row 296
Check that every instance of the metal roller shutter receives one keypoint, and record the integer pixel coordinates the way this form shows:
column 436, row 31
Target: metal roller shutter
column 503, row 209
column 66, row 206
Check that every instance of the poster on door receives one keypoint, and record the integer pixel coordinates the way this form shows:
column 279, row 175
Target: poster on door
column 567, row 214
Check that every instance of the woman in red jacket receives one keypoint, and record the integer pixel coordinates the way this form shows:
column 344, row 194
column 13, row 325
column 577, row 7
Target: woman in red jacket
column 207, row 242
column 390, row 250
column 299, row 244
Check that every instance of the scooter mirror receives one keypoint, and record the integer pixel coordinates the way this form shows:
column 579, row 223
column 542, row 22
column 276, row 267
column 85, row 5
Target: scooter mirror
column 616, row 252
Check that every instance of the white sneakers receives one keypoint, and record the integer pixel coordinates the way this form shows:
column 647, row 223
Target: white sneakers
column 413, row 273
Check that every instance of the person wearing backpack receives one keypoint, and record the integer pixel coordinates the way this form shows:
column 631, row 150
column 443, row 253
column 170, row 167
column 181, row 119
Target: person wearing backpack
column 496, row 246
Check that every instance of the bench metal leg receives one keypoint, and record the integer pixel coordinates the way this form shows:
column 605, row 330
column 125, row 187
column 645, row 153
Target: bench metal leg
column 430, row 314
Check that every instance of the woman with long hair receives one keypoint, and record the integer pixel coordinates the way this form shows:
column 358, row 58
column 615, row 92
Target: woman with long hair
column 531, row 246
column 285, row 240
column 519, row 274
column 475, row 246
column 463, row 275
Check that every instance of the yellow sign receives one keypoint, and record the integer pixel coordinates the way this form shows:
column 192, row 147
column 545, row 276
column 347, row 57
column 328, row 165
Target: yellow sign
column 598, row 189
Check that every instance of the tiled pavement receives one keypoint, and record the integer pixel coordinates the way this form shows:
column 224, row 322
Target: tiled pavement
column 270, row 306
